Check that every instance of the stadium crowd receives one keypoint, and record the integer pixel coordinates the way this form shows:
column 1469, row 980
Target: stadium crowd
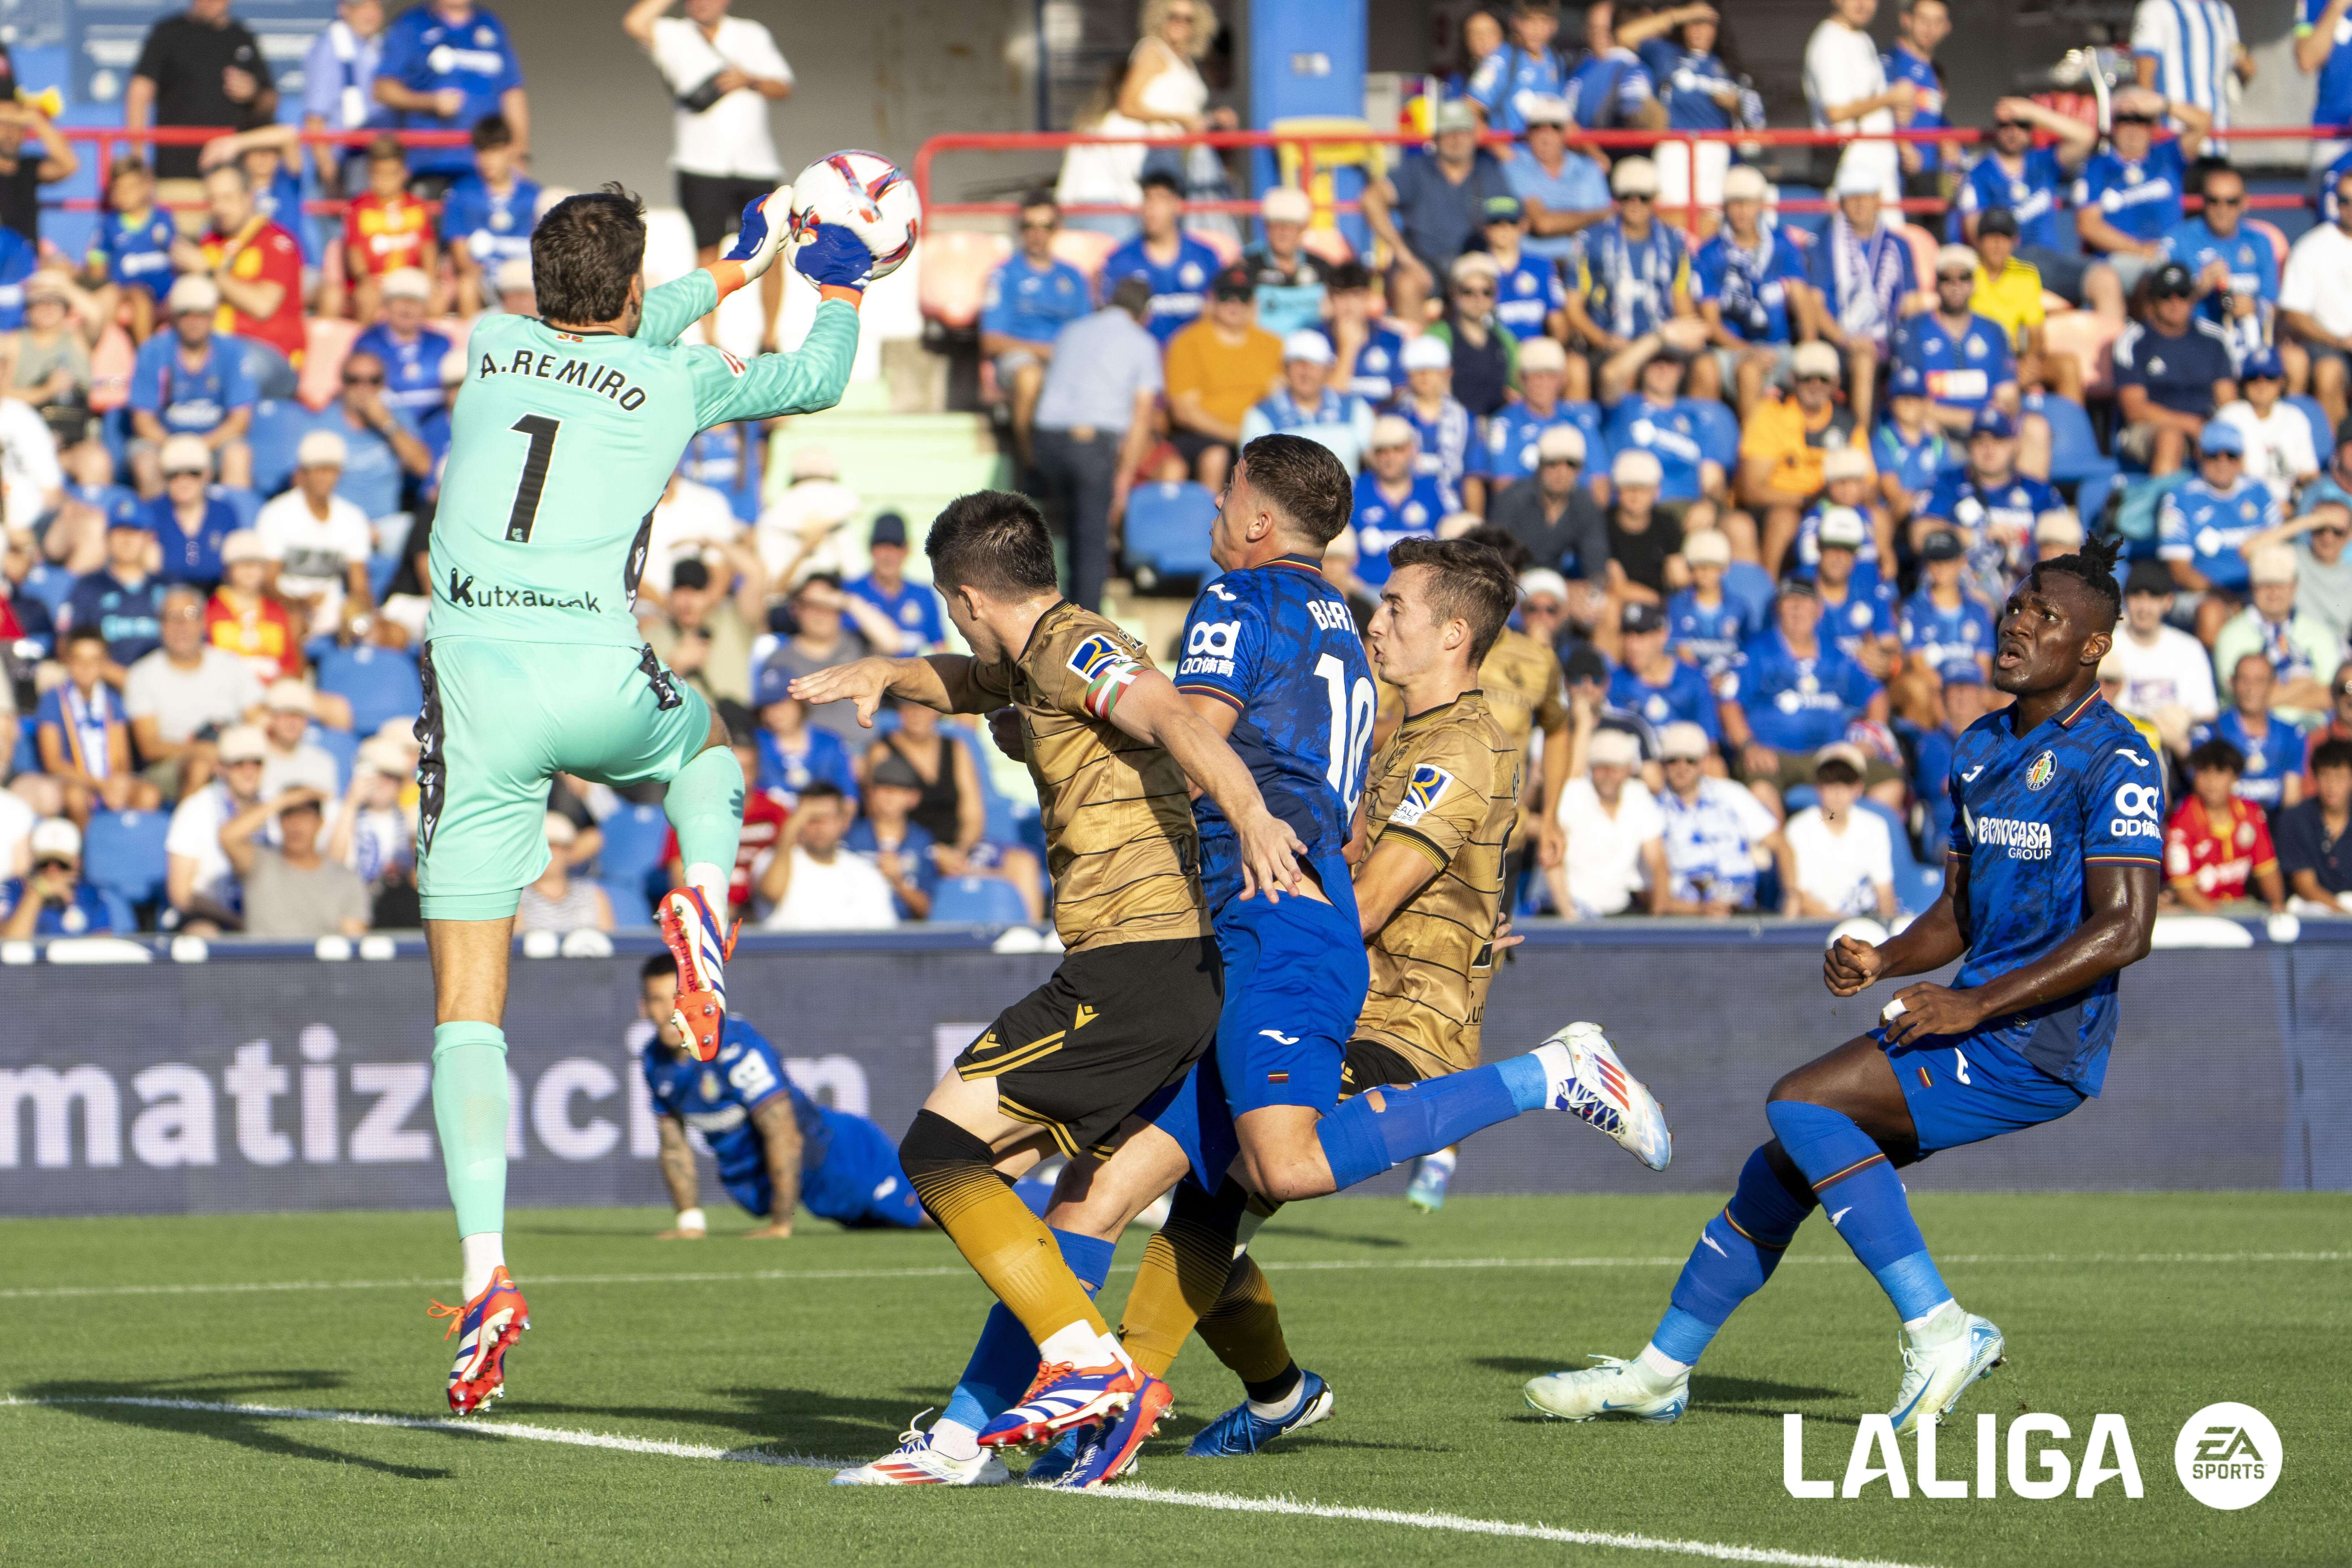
column 1770, row 476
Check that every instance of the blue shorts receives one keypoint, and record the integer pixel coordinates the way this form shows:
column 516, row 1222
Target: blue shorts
column 1295, row 980
column 1965, row 1089
column 858, row 1183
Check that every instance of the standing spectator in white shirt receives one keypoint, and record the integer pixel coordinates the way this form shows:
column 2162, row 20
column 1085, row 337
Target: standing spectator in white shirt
column 815, row 882
column 2316, row 300
column 2163, row 667
column 1616, row 837
column 723, row 71
column 2188, row 50
column 1845, row 84
column 1845, row 855
column 319, row 541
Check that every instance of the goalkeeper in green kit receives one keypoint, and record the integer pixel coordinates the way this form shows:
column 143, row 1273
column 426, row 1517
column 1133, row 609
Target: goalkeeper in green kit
column 565, row 432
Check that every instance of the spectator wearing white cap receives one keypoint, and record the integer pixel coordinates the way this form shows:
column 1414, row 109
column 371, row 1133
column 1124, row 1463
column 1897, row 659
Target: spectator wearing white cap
column 191, row 380
column 1704, row 627
column 245, row 617
column 1857, row 610
column 293, row 890
column 1849, row 480
column 1290, row 281
column 518, row 291
column 319, row 541
column 802, row 530
column 1843, row 856
column 2303, row 650
column 1507, row 453
column 1485, row 354
column 189, row 521
column 199, row 883
column 293, row 760
column 1864, row 277
column 1437, row 418
column 2323, row 570
column 1963, row 357
column 1645, row 540
column 1555, row 515
column 1427, row 211
column 1615, row 836
column 373, row 834
column 1217, row 370
column 1392, row 503
column 1748, row 283
column 1717, row 835
column 1561, row 191
column 383, row 450
column 412, row 352
column 52, row 899
column 1631, row 273
column 1304, row 405
column 557, row 902
column 180, row 696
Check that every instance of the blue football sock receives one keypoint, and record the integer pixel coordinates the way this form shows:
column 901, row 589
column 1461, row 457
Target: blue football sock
column 1005, row 1358
column 1864, row 1199
column 1416, row 1118
column 1737, row 1254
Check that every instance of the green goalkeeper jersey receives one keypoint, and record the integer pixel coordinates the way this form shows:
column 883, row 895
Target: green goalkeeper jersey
column 560, row 445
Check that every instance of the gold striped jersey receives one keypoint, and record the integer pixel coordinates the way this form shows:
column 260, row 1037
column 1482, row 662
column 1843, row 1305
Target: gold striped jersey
column 1119, row 841
column 1446, row 783
column 1524, row 689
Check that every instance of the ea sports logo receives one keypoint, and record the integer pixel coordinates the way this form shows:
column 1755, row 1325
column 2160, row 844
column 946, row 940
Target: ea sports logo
column 2228, row 1455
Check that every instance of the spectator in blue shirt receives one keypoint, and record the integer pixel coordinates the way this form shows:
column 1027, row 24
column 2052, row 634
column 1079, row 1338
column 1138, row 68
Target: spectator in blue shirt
column 1631, row 274
column 447, row 65
column 2030, row 183
column 1306, row 405
column 1696, row 73
column 121, row 601
column 1528, row 299
column 1940, row 624
column 1506, row 452
column 2322, row 47
column 1438, row 418
column 2127, row 198
column 192, row 381
column 728, row 457
column 2272, row 746
column 2203, row 527
column 1908, row 449
column 410, row 352
column 2236, row 272
column 1610, row 89
column 130, row 249
column 912, row 607
column 1794, row 693
column 339, row 89
column 794, row 754
column 1991, row 505
column 1641, row 386
column 489, row 213
column 1392, row 503
column 1368, row 357
column 1176, row 266
column 188, row 523
column 53, row 899
column 1920, row 27
column 1747, row 282
column 1561, row 192
column 80, row 733
column 1429, row 210
column 1523, row 69
column 1965, row 700
column 1705, row 627
column 1031, row 298
column 902, row 849
column 1848, row 480
column 382, row 450
column 1652, row 682
column 1863, row 270
column 1857, row 609
column 2172, row 371
column 1963, row 358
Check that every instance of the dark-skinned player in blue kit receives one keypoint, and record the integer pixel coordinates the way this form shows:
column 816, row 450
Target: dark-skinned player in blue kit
column 2050, row 892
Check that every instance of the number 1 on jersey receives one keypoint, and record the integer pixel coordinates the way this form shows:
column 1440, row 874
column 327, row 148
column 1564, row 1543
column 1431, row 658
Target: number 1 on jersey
column 541, row 431
column 1352, row 713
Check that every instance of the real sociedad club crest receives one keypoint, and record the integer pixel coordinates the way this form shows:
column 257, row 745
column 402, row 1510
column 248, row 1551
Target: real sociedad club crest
column 2045, row 769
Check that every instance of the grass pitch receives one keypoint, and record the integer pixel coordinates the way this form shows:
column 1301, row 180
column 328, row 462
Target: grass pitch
column 821, row 1347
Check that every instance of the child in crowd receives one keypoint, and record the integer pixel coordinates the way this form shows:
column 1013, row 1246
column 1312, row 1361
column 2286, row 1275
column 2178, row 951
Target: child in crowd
column 129, row 260
column 386, row 229
column 489, row 213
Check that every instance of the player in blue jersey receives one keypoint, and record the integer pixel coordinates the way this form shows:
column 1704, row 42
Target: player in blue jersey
column 1962, row 358
column 1177, row 266
column 1940, row 623
column 2050, row 891
column 777, row 1149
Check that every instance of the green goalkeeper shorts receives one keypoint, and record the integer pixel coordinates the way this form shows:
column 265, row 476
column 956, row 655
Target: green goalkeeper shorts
column 500, row 720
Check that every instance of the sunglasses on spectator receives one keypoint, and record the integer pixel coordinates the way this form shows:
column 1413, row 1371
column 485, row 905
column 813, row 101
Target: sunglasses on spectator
column 1478, row 289
column 2225, row 456
column 2237, row 201
column 2134, row 120
column 2168, row 293
column 184, row 473
column 1564, row 462
column 1637, row 196
column 2334, row 532
column 2013, row 126
column 1048, row 226
column 362, row 381
column 1969, row 278
column 1811, row 375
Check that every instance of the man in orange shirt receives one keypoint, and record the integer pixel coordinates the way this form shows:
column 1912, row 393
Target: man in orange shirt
column 2216, row 844
column 258, row 267
column 1217, row 370
column 1780, row 445
column 386, row 229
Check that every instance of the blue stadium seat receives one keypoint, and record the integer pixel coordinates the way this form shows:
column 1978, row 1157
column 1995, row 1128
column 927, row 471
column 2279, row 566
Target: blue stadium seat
column 631, row 907
column 978, row 900
column 634, row 837
column 279, row 427
column 1167, row 531
column 2323, row 435
column 119, row 912
column 123, row 853
column 380, row 683
column 1749, row 587
column 2074, row 452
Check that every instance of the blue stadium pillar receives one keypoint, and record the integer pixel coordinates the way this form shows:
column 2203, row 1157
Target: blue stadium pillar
column 1305, row 57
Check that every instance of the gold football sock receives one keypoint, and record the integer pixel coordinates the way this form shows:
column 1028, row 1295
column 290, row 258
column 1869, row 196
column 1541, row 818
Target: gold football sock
column 1183, row 1272
column 1009, row 1248
column 1245, row 1328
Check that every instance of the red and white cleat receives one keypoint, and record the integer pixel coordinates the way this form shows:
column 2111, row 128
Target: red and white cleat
column 701, row 949
column 487, row 1327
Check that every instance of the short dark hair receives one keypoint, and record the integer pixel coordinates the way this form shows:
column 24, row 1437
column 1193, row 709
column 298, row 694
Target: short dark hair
column 654, row 968
column 2093, row 566
column 1306, row 480
column 1347, row 276
column 122, row 166
column 820, row 789
column 1162, row 180
column 2217, row 754
column 2332, row 754
column 994, row 541
column 1041, row 197
column 386, row 149
column 584, row 252
column 85, row 634
column 1516, row 556
column 1471, row 584
column 1836, row 770
column 491, row 130
column 1133, row 294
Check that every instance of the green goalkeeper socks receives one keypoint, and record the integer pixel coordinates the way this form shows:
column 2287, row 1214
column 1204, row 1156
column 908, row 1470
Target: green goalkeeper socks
column 705, row 804
column 469, row 1110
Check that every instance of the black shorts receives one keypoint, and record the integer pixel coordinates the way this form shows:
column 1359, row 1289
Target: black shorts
column 1193, row 444
column 1112, row 1027
column 1371, row 1065
column 714, row 203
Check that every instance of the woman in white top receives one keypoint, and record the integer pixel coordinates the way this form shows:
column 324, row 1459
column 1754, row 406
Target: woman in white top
column 1160, row 93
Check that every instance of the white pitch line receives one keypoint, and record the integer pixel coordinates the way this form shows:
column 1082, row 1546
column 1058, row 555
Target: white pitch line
column 1222, row 1503
column 1306, row 1266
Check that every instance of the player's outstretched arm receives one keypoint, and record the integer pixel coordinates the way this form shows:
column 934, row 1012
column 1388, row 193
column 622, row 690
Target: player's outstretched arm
column 779, row 1144
column 679, row 1175
column 2120, row 897
column 941, row 681
column 1152, row 709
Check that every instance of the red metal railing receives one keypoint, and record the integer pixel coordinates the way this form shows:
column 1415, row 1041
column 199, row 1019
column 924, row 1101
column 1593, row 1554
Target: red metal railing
column 1638, row 141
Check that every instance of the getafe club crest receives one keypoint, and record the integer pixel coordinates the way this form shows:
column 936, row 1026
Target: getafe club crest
column 2045, row 769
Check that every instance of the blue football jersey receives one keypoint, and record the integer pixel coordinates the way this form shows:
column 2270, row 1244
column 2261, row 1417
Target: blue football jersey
column 1961, row 371
column 1033, row 304
column 1797, row 703
column 1864, row 615
column 2209, row 528
column 2029, row 814
column 1936, row 635
column 491, row 226
column 1527, row 295
column 2269, row 761
column 1685, row 696
column 1750, row 288
column 135, row 255
column 1707, row 636
column 1379, row 377
column 1913, row 464
column 2141, row 197
column 1179, row 288
column 1278, row 645
column 1804, row 558
column 1378, row 522
column 2035, row 193
column 1507, row 449
column 716, row 1097
column 1669, row 432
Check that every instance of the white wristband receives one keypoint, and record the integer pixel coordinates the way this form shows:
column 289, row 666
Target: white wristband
column 691, row 1219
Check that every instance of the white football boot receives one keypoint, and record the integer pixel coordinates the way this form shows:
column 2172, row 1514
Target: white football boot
column 1949, row 1350
column 1586, row 1077
column 1612, row 1387
column 915, row 1463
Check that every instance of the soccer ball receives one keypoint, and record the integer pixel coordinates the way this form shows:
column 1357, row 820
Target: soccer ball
column 869, row 195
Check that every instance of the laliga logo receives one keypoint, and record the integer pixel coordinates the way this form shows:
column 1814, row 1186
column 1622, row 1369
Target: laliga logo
column 2228, row 1457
